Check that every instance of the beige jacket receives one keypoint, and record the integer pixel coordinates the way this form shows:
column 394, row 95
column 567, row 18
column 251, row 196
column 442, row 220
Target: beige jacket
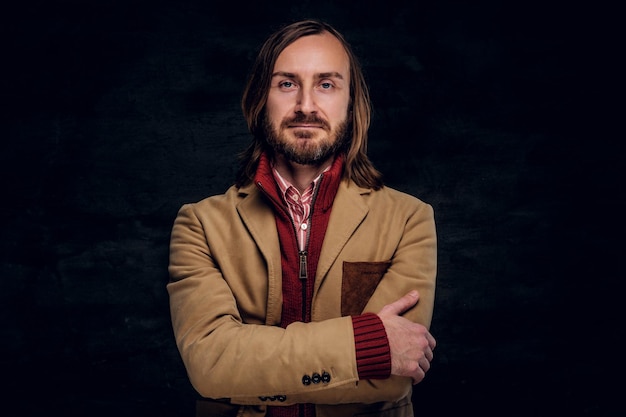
column 225, row 298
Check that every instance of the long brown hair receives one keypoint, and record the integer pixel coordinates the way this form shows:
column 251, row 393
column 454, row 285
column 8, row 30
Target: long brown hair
column 358, row 167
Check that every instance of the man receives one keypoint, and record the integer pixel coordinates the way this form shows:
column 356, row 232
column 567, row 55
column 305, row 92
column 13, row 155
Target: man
column 307, row 289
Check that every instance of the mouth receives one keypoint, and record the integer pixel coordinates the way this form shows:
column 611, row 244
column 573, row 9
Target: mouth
column 305, row 126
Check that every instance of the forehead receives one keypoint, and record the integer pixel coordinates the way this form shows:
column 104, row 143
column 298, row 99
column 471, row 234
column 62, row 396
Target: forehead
column 320, row 53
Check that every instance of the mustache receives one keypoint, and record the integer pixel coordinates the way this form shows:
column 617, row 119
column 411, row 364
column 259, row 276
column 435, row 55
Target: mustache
column 306, row 118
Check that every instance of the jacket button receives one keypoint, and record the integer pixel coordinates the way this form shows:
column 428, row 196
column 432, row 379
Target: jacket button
column 317, row 378
column 325, row 377
column 306, row 380
column 281, row 398
column 263, row 398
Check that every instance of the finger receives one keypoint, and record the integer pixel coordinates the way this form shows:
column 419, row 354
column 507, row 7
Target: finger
column 424, row 364
column 431, row 340
column 419, row 376
column 429, row 354
column 402, row 304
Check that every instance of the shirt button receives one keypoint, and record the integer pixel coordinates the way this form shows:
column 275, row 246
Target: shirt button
column 304, row 226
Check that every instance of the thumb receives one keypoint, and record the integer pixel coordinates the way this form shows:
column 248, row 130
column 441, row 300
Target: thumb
column 401, row 304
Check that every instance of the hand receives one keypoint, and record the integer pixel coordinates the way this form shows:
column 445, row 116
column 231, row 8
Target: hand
column 410, row 343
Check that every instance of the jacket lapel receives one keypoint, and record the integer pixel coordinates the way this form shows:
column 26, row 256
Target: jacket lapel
column 259, row 219
column 348, row 212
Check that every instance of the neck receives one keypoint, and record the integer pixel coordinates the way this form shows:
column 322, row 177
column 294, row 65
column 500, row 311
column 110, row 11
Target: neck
column 300, row 176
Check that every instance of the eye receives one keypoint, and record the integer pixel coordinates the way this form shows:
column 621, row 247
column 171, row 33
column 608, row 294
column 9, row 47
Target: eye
column 286, row 84
column 326, row 86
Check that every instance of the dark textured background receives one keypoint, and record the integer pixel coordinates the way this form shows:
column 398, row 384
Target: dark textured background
column 115, row 113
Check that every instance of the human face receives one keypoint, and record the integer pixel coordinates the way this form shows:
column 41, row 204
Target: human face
column 307, row 105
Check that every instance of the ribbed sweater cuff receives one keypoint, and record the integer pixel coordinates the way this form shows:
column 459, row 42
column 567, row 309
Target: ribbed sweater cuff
column 373, row 358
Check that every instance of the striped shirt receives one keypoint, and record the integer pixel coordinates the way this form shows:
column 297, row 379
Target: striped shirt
column 298, row 204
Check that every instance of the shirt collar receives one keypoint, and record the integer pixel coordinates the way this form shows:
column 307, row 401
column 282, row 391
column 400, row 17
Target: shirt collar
column 285, row 185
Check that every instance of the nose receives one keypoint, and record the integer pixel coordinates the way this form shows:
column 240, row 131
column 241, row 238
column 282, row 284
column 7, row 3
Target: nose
column 305, row 102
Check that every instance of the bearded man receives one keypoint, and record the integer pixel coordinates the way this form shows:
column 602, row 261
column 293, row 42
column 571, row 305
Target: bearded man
column 307, row 289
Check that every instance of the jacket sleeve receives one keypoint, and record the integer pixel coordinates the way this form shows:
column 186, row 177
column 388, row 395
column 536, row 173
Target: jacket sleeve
column 244, row 362
column 413, row 267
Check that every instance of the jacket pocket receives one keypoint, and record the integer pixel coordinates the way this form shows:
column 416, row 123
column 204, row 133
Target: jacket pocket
column 359, row 281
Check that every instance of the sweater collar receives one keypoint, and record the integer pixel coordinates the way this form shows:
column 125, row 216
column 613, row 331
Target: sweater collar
column 329, row 183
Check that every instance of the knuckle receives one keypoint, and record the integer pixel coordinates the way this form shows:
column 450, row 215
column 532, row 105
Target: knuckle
column 423, row 343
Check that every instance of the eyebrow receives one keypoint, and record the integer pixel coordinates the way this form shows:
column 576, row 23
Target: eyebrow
column 333, row 74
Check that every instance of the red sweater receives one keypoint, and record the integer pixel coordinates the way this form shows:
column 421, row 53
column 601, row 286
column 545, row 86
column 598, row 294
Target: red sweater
column 371, row 344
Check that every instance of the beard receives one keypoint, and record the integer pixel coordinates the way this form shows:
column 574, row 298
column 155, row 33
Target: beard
column 308, row 151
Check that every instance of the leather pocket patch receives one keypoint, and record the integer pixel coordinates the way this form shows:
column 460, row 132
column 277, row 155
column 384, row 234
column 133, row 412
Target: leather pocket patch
column 359, row 282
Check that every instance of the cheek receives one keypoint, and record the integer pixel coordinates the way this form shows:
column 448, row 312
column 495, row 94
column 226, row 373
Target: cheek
column 275, row 110
column 340, row 103
column 270, row 115
column 340, row 111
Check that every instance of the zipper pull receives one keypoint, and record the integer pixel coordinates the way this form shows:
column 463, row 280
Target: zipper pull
column 303, row 273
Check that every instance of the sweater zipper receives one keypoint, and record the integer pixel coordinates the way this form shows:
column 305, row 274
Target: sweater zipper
column 303, row 274
column 302, row 254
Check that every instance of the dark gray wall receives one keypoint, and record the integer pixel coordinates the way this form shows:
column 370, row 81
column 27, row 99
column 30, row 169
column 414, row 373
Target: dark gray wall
column 117, row 112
